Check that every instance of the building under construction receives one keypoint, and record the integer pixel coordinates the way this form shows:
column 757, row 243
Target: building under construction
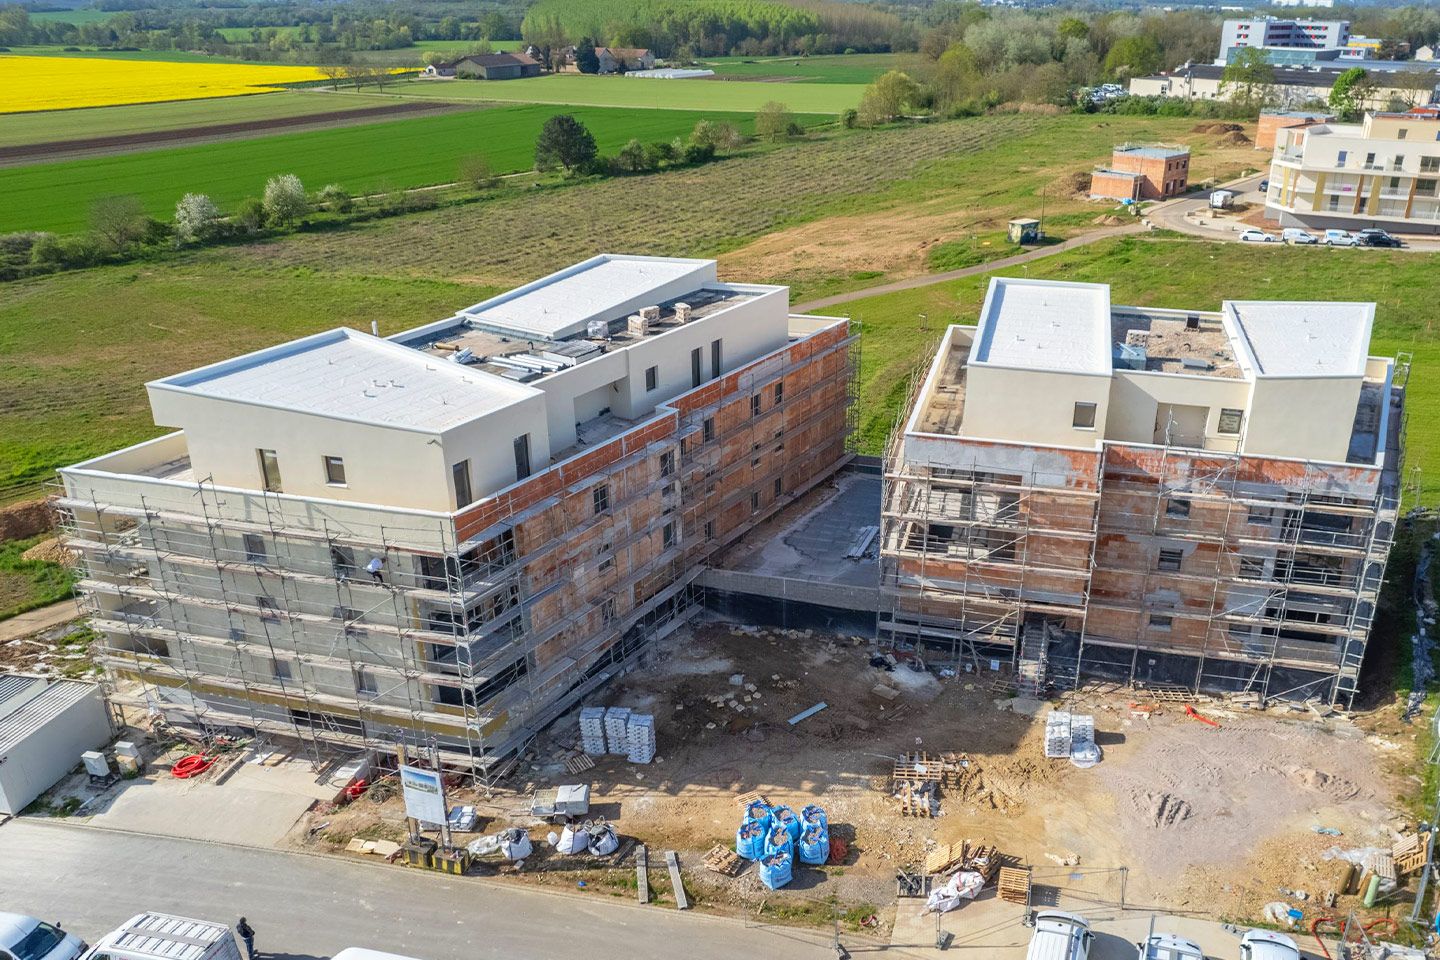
column 1186, row 498
column 450, row 536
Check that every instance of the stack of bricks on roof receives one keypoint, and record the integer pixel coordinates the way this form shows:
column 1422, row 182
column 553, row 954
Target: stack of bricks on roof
column 456, row 534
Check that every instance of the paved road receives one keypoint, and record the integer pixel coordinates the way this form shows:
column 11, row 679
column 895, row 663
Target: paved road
column 305, row 907
column 1085, row 239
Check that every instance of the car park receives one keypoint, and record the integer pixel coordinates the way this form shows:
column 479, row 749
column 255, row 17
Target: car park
column 1373, row 237
column 1257, row 236
column 1297, row 236
column 1060, row 936
column 1339, row 238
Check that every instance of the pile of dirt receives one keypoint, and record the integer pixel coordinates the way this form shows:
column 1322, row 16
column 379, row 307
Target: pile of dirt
column 1235, row 139
column 1216, row 128
column 51, row 551
column 1076, row 183
column 1108, row 220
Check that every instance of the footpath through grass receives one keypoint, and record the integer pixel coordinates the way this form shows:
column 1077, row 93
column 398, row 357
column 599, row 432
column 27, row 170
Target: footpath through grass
column 1180, row 274
column 367, row 158
column 578, row 89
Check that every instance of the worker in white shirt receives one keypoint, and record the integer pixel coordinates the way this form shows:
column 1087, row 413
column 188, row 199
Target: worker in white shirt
column 375, row 567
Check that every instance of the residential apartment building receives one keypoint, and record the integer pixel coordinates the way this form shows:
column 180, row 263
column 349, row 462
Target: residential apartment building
column 1158, row 496
column 1286, row 34
column 1382, row 172
column 1142, row 173
column 451, row 535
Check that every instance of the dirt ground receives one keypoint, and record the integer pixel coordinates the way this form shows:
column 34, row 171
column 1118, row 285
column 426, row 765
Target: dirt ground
column 1216, row 820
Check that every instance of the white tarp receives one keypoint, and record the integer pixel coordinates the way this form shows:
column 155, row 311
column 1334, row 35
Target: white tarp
column 965, row 885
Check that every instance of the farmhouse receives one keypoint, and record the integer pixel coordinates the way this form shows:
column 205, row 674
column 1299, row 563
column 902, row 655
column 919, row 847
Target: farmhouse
column 615, row 59
column 487, row 66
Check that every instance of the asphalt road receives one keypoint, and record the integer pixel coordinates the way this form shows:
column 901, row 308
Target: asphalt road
column 305, row 907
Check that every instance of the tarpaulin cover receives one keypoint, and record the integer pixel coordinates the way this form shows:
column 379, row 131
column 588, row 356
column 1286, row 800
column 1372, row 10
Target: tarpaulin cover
column 750, row 839
column 775, row 870
column 814, row 846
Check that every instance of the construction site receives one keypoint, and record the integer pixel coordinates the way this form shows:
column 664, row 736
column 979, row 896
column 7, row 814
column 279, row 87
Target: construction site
column 669, row 596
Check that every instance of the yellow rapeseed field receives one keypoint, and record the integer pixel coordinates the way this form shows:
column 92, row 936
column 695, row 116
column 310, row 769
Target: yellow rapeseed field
column 59, row 83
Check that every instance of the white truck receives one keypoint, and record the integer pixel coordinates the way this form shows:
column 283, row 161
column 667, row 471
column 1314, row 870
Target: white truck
column 159, row 936
column 1222, row 199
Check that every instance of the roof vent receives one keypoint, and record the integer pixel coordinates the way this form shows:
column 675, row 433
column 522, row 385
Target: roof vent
column 638, row 326
column 597, row 330
column 682, row 313
column 650, row 313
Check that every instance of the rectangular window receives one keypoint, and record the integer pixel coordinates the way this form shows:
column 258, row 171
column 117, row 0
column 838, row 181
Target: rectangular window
column 754, row 503
column 281, row 669
column 708, row 428
column 1340, row 158
column 254, row 548
column 1179, row 509
column 365, row 681
column 755, row 463
column 1369, row 159
column 606, row 563
column 1084, row 416
column 1160, row 622
column 1426, row 188
column 335, row 471
column 1170, row 560
column 779, row 392
column 601, row 498
column 717, row 360
column 1230, row 419
column 1402, row 133
column 709, row 529
column 755, row 405
column 522, row 457
column 342, row 559
column 269, row 470
column 1430, row 164
column 779, row 487
column 667, row 463
column 652, row 378
column 667, row 535
column 697, row 366
column 461, row 474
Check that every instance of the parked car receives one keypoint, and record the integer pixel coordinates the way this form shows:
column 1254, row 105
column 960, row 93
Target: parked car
column 1374, row 237
column 1060, row 936
column 1167, row 946
column 26, row 938
column 1296, row 235
column 1266, row 945
column 1257, row 236
column 1264, row 186
column 1339, row 238
column 160, row 936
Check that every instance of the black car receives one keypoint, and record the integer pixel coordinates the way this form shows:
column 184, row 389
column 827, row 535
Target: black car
column 1376, row 238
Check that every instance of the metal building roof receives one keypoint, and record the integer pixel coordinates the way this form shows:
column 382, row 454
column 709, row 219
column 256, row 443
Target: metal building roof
column 41, row 707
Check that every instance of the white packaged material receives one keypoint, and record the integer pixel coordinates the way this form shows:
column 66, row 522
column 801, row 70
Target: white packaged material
column 515, row 844
column 572, row 841
column 617, row 737
column 592, row 731
column 640, row 734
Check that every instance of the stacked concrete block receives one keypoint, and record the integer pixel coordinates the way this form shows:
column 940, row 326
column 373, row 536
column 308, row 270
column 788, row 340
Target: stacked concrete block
column 641, row 735
column 617, row 733
column 592, row 730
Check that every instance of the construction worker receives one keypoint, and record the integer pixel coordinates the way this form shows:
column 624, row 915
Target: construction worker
column 375, row 568
column 247, row 933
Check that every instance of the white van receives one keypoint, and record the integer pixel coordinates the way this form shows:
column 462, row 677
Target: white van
column 26, row 938
column 1060, row 936
column 362, row 953
column 1267, row 945
column 159, row 936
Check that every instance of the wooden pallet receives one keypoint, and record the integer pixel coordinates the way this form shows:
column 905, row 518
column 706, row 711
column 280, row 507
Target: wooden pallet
column 917, row 767
column 1409, row 853
column 1001, row 684
column 976, row 856
column 1167, row 692
column 725, row 861
column 579, row 763
column 745, row 799
column 1014, row 885
column 916, row 799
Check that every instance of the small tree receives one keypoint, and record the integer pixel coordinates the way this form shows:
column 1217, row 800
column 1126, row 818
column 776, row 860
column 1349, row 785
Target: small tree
column 633, row 158
column 250, row 214
column 118, row 221
column 1352, row 90
column 773, row 121
column 564, row 142
column 336, row 198
column 1249, row 79
column 1133, row 57
column 586, row 60
column 477, row 172
column 196, row 218
column 717, row 135
column 331, row 63
column 886, row 99
column 285, row 199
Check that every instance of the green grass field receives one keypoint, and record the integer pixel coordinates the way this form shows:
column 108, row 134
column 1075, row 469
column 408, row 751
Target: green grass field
column 372, row 157
column 860, row 68
column 1179, row 274
column 52, row 125
column 76, row 17
column 570, row 88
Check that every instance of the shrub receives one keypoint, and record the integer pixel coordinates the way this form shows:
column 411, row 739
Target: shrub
column 476, row 171
column 716, row 134
column 285, row 200
column 118, row 221
column 634, row 158
column 250, row 214
column 82, row 250
column 849, row 118
column 336, row 198
column 773, row 121
column 697, row 153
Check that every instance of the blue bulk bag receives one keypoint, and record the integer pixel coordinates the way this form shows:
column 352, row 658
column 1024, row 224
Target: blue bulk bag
column 775, row 870
column 759, row 811
column 815, row 846
column 785, row 817
column 814, row 815
column 750, row 840
column 777, row 840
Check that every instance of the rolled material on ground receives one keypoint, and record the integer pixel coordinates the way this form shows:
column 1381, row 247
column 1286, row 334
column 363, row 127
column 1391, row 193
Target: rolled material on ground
column 1373, row 890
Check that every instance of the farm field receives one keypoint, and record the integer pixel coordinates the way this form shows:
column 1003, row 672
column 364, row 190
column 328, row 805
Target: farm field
column 154, row 56
column 373, row 157
column 51, row 126
column 54, row 83
column 77, row 17
column 860, row 68
column 596, row 91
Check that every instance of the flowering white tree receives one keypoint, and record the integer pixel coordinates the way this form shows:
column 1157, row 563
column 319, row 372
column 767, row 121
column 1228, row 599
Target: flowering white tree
column 285, row 199
column 195, row 218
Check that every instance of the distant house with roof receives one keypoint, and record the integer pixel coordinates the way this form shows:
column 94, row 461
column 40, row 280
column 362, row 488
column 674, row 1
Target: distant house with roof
column 486, row 66
column 614, row 59
column 1139, row 172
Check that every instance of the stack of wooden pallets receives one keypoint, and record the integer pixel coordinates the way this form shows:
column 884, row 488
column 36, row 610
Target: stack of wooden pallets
column 724, row 861
column 975, row 856
column 1409, row 853
column 1014, row 885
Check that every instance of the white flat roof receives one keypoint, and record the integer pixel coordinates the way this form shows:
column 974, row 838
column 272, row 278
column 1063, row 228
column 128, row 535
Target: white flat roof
column 1302, row 338
column 350, row 375
column 1045, row 325
column 602, row 288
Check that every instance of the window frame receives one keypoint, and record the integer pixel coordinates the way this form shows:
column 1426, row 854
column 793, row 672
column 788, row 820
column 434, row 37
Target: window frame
column 697, row 366
column 253, row 554
column 652, row 379
column 1235, row 415
column 1077, row 416
column 1170, row 559
column 328, row 463
column 600, row 498
column 523, row 466
column 270, row 479
column 460, row 477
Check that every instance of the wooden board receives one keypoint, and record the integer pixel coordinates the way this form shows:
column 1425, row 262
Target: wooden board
column 642, row 873
column 672, row 860
column 1014, row 885
column 745, row 799
column 724, row 861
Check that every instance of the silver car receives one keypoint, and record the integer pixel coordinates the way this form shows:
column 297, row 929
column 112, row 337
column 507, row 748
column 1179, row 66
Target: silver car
column 26, row 938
